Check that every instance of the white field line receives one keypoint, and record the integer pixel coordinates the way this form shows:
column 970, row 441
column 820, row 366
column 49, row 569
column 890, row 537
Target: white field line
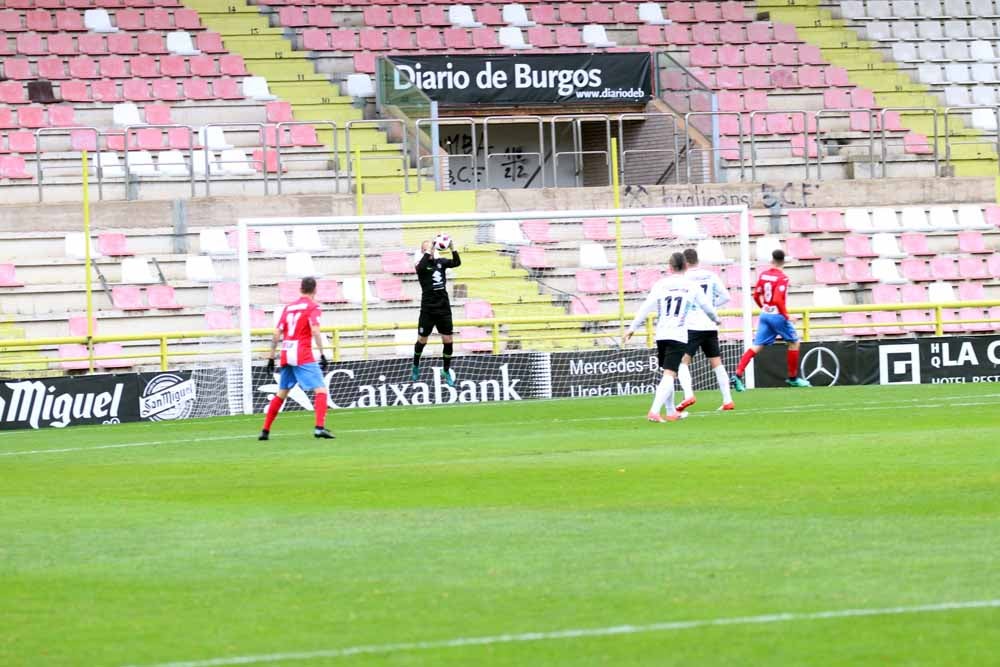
column 578, row 633
column 818, row 407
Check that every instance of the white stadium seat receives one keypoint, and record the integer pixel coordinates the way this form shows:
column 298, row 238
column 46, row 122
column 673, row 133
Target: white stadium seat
column 98, row 20
column 517, row 15
column 213, row 241
column 179, row 43
column 651, row 14
column 886, row 271
column 137, row 271
column 511, row 37
column 274, row 239
column 886, row 245
column 299, row 265
column 200, row 269
column 827, row 296
column 593, row 256
column 461, row 16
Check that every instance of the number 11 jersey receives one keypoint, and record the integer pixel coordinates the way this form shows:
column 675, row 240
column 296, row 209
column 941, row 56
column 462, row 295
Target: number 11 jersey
column 673, row 299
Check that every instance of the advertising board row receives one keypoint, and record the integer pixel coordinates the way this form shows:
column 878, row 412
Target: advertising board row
column 111, row 399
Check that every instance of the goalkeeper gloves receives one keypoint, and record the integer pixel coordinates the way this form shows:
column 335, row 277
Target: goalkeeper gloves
column 270, row 366
column 323, row 364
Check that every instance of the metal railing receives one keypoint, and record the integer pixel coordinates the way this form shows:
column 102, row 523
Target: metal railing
column 280, row 161
column 498, row 337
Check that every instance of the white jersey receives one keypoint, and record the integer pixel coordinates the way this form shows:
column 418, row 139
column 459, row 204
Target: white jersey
column 715, row 293
column 673, row 298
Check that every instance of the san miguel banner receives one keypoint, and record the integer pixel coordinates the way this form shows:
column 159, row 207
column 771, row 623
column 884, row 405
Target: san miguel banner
column 525, row 80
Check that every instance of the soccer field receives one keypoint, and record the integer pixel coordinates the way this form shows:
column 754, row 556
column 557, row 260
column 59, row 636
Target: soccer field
column 844, row 526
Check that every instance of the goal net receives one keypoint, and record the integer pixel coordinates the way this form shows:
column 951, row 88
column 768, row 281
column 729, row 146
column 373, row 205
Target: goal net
column 539, row 302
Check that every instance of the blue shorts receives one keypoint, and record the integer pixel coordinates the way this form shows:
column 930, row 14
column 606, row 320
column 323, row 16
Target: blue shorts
column 773, row 325
column 307, row 376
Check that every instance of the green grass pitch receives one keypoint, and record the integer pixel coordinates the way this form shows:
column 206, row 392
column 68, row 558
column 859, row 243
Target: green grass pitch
column 193, row 544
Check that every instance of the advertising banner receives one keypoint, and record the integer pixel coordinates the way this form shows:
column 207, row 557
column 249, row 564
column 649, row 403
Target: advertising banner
column 604, row 373
column 953, row 359
column 67, row 401
column 386, row 383
column 525, row 80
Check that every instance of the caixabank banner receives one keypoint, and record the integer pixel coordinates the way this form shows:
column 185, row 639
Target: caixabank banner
column 96, row 399
column 951, row 359
column 525, row 80
column 380, row 383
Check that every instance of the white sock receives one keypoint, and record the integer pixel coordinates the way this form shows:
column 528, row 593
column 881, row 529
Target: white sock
column 665, row 388
column 684, row 375
column 669, row 403
column 722, row 377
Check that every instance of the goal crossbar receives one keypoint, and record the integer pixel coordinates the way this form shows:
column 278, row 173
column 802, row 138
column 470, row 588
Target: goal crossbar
column 244, row 225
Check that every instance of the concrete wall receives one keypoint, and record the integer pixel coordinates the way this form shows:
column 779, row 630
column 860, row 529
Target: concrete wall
column 775, row 197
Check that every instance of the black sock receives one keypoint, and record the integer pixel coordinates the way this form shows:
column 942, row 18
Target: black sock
column 448, row 349
column 418, row 349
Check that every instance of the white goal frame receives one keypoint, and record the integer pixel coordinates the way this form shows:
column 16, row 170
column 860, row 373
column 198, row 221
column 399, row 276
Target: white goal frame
column 246, row 224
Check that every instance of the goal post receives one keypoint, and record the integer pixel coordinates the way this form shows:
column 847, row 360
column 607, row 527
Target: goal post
column 478, row 229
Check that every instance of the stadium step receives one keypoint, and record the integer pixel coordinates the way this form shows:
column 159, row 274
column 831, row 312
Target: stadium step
column 843, row 47
column 292, row 76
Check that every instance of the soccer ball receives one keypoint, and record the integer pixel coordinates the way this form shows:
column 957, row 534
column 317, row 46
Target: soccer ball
column 442, row 241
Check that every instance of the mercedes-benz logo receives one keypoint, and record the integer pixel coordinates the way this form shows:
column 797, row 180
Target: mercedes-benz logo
column 820, row 366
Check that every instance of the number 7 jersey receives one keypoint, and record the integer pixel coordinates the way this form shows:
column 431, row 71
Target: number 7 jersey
column 296, row 326
column 674, row 299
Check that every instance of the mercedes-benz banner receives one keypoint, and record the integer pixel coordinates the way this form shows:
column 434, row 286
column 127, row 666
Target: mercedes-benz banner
column 526, row 80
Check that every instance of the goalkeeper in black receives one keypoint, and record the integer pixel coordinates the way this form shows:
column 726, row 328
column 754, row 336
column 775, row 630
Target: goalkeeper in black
column 435, row 308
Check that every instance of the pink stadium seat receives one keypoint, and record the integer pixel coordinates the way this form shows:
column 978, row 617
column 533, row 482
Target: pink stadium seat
column 198, row 89
column 889, row 321
column 151, row 43
column 802, row 221
column 267, row 162
column 856, row 245
column 541, row 37
column 489, row 14
column 231, row 65
column 596, row 229
column 831, row 221
column 457, row 38
column 707, row 11
column 478, row 309
column 971, row 292
column 295, row 17
column 329, row 291
column 589, row 281
column 403, row 16
column 166, row 90
column 704, row 33
column 113, row 67
column 972, row 242
column 628, row 280
column 127, row 297
column 186, row 19
column 316, row 40
column 129, row 19
column 533, row 257
column 800, row 248
column 162, row 297
column 32, row 117
column 992, row 215
column 157, row 19
column 83, row 67
column 885, row 294
column 734, row 56
column 733, row 33
column 78, row 326
column 944, row 268
column 18, row 69
column 216, row 320
column 568, row 36
column 92, row 44
column 173, row 66
column 584, row 305
column 650, row 35
column 568, row 13
column 226, row 294
column 21, row 142
column 993, row 264
column 434, row 15
column 624, row 12
column 390, row 289
column 544, row 14
column 136, row 90
column 12, row 92
column 721, row 225
column 655, row 227
column 7, row 120
column 703, row 56
column 972, row 268
column 537, row 231
column 397, row 262
column 858, row 271
column 473, row 333
column 105, row 91
column 401, row 39
column 74, row 351
column 646, row 277
column 915, row 270
column 828, row 273
column 51, row 68
column 158, row 114
column 122, row 44
column 974, row 314
column 429, row 39
column 680, row 12
column 229, row 89
column 600, row 13
column 731, row 276
column 915, row 243
column 279, row 112
column 760, row 32
column 913, row 294
column 8, row 276
column 75, row 91
column 209, row 42
column 856, row 324
column 253, row 240
column 364, row 63
column 800, row 146
column 288, row 291
column 917, row 144
column 112, row 244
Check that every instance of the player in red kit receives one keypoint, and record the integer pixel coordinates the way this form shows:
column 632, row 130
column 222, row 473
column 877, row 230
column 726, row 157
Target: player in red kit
column 769, row 294
column 297, row 329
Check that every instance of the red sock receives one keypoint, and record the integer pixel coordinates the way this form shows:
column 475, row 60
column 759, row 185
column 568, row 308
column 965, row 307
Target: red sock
column 793, row 363
column 744, row 360
column 272, row 411
column 320, row 409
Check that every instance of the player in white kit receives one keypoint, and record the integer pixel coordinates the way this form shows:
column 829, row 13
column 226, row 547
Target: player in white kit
column 675, row 298
column 703, row 334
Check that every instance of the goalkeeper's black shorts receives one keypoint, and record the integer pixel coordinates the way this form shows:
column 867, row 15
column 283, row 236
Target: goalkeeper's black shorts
column 435, row 318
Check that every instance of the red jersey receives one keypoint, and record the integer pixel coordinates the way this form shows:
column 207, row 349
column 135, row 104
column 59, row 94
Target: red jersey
column 296, row 326
column 770, row 291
